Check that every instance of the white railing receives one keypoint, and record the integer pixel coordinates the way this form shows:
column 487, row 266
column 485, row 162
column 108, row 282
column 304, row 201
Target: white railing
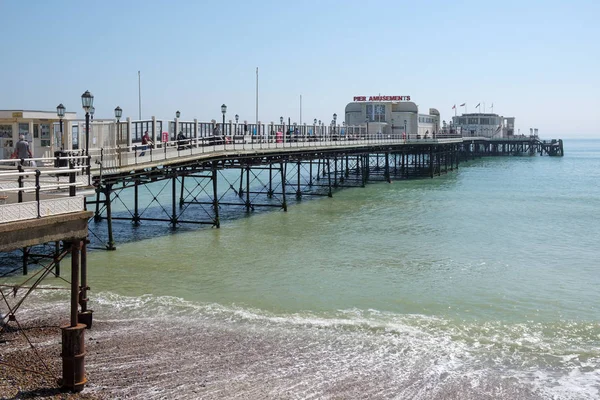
column 28, row 193
column 46, row 207
column 115, row 158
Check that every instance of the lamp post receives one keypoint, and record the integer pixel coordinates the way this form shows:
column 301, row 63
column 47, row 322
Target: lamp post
column 367, row 122
column 223, row 111
column 118, row 114
column 177, row 115
column 60, row 111
column 392, row 127
column 87, row 101
column 237, row 118
column 406, row 133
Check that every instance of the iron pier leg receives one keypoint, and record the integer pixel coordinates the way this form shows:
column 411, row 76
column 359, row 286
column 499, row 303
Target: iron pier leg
column 270, row 191
column 347, row 167
column 282, row 173
column 136, row 214
column 111, row 242
column 387, row 168
column 97, row 217
column 241, row 191
column 174, row 200
column 318, row 169
column 56, row 260
column 298, row 191
column 248, row 205
column 217, row 222
column 181, row 191
column 25, row 260
column 335, row 171
column 85, row 316
column 310, row 174
column 363, row 171
column 73, row 335
column 329, row 194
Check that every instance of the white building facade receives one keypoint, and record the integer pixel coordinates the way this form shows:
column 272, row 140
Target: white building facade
column 484, row 125
column 391, row 115
column 40, row 128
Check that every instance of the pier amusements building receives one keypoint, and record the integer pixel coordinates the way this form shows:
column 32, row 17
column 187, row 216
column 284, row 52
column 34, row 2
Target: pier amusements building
column 392, row 115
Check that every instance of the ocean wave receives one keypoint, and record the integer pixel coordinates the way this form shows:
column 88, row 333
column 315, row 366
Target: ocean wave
column 429, row 355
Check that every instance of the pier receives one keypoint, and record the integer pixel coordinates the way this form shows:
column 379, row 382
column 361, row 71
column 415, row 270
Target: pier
column 67, row 200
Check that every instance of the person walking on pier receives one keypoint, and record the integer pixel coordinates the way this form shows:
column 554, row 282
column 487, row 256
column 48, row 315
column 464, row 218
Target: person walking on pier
column 146, row 141
column 22, row 149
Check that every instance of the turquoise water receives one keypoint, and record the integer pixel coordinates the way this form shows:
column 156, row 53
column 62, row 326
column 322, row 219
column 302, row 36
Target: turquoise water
column 484, row 278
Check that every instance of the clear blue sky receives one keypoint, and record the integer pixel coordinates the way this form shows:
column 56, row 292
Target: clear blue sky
column 535, row 60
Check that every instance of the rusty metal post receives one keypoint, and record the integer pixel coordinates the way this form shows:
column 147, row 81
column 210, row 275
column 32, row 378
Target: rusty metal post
column 282, row 171
column 56, row 260
column 73, row 336
column 217, row 222
column 85, row 316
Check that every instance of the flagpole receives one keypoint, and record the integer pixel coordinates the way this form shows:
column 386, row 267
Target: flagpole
column 484, row 107
column 257, row 96
column 140, row 94
column 300, row 109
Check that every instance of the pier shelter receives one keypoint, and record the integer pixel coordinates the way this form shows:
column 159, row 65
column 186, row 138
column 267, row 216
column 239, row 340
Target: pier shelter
column 42, row 129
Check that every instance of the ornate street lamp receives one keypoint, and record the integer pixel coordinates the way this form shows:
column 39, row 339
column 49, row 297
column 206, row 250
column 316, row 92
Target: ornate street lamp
column 118, row 114
column 60, row 111
column 177, row 114
column 223, row 111
column 87, row 102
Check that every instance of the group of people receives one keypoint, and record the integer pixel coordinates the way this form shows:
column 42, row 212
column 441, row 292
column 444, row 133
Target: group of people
column 147, row 141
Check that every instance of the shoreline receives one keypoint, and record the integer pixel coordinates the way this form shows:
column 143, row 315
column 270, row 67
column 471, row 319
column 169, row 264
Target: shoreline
column 189, row 358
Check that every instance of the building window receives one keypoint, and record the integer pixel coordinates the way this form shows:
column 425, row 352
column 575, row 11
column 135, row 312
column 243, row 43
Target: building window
column 6, row 131
column 462, row 121
column 376, row 112
column 473, row 121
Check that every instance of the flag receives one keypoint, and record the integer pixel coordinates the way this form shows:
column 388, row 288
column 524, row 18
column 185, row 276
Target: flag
column 477, row 105
column 463, row 104
column 454, row 106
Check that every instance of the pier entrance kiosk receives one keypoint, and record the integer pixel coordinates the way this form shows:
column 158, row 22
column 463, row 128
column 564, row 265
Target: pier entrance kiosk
column 40, row 128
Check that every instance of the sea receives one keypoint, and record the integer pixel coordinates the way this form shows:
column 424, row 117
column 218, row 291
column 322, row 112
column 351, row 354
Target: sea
column 482, row 283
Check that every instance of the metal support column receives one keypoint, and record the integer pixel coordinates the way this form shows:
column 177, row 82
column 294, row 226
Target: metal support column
column 282, row 173
column 136, row 214
column 298, row 191
column 270, row 191
column 181, row 190
column 174, row 199
column 85, row 316
column 217, row 222
column 329, row 194
column 387, row 168
column 248, row 205
column 111, row 242
column 56, row 260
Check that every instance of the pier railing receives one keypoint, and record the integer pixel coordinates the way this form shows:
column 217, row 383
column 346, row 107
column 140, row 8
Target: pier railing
column 32, row 192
